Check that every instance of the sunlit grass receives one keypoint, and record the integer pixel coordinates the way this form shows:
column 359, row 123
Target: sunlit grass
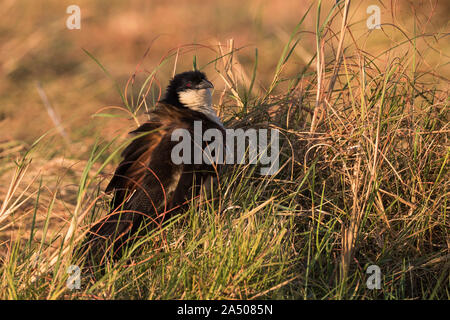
column 363, row 180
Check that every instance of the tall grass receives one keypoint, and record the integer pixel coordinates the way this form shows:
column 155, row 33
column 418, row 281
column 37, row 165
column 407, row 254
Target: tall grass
column 363, row 181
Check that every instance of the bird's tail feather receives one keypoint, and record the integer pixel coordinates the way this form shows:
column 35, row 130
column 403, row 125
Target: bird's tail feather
column 108, row 238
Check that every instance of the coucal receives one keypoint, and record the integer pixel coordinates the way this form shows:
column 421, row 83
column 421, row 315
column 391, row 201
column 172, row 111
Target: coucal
column 148, row 185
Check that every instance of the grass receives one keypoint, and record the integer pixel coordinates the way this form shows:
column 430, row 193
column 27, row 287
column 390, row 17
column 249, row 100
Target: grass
column 363, row 180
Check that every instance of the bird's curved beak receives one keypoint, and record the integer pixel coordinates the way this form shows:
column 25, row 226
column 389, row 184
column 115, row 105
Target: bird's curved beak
column 205, row 84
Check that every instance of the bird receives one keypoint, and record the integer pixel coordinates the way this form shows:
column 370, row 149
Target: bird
column 147, row 185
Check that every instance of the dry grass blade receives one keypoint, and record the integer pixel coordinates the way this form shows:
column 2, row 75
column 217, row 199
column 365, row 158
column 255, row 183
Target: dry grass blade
column 8, row 205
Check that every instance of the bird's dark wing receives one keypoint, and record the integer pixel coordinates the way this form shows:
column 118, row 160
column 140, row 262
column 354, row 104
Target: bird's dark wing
column 142, row 183
column 136, row 157
column 148, row 154
column 147, row 182
column 142, row 198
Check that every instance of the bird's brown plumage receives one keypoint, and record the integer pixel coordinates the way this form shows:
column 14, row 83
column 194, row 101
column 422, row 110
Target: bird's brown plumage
column 147, row 186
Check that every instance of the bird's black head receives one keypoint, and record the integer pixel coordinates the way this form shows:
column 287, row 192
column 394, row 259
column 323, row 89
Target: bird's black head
column 190, row 89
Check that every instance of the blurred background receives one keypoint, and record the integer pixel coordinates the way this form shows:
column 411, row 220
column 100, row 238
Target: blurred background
column 39, row 55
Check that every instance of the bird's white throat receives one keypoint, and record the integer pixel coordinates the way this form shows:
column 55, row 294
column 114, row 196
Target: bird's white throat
column 199, row 100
